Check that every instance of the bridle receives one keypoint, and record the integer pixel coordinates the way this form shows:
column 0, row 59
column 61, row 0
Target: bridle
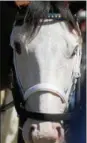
column 34, row 115
column 44, row 87
column 20, row 103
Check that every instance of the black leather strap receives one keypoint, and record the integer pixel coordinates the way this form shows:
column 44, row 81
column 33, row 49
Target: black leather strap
column 6, row 106
column 22, row 113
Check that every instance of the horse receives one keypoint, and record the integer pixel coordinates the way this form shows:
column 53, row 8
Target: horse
column 9, row 119
column 51, row 52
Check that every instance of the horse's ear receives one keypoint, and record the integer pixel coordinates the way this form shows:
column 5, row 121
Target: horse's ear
column 22, row 3
column 66, row 14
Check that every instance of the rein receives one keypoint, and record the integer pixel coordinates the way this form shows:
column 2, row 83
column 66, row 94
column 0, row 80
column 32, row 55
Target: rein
column 3, row 108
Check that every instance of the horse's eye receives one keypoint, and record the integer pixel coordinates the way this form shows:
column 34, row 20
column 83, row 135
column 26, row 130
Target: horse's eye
column 75, row 51
column 17, row 47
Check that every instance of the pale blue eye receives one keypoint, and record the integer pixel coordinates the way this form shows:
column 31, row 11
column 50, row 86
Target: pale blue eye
column 71, row 51
column 74, row 51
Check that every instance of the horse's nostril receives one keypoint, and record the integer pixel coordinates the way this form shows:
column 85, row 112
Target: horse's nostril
column 59, row 131
column 32, row 128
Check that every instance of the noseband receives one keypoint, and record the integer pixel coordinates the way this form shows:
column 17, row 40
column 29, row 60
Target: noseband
column 23, row 113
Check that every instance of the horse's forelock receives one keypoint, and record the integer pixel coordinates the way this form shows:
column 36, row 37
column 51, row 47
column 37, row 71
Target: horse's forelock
column 38, row 9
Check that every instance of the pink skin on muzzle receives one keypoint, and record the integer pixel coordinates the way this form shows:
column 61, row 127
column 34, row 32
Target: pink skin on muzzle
column 43, row 132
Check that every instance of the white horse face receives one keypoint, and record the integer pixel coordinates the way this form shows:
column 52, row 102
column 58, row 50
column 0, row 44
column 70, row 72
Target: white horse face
column 49, row 63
